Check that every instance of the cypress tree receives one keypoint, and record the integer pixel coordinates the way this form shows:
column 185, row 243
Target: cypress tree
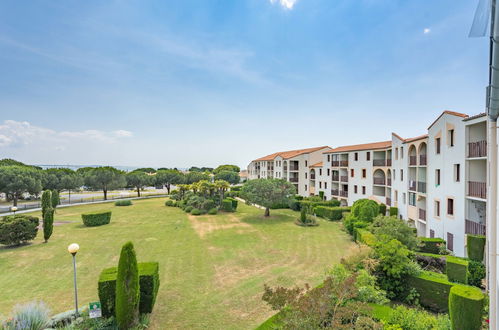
column 127, row 288
column 54, row 199
column 48, row 223
column 46, row 201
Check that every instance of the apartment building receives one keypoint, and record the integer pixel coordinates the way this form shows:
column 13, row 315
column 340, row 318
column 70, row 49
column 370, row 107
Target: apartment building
column 292, row 166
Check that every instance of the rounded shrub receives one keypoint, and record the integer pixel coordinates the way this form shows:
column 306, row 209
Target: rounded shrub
column 476, row 273
column 196, row 212
column 18, row 229
column 213, row 211
column 465, row 307
column 382, row 209
column 96, row 219
column 188, row 209
column 127, row 288
column 170, row 202
column 125, row 202
column 227, row 205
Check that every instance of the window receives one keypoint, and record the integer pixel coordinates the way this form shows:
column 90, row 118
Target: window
column 355, row 189
column 401, row 152
column 363, row 190
column 450, row 206
column 306, row 188
column 412, row 199
column 320, row 184
column 457, row 174
column 352, row 172
column 320, row 171
column 364, row 173
column 401, row 175
column 306, row 163
column 306, row 175
column 450, row 241
column 356, row 156
column 325, row 185
column 396, row 153
column 328, row 158
column 368, row 155
column 327, row 171
column 396, row 195
column 394, row 175
column 437, row 177
column 451, row 137
column 437, row 208
column 403, row 197
column 437, row 145
column 432, row 233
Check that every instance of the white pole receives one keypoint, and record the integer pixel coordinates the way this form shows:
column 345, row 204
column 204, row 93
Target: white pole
column 492, row 226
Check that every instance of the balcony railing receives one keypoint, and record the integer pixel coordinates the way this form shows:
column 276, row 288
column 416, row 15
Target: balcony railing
column 423, row 160
column 344, row 193
column 335, row 163
column 388, row 201
column 336, row 177
column 477, row 149
column 412, row 185
column 294, row 168
column 477, row 189
column 344, row 163
column 344, row 178
column 335, row 192
column 413, row 160
column 422, row 214
column 474, row 228
column 388, row 181
column 293, row 179
column 379, row 162
column 422, row 187
column 379, row 181
column 388, row 162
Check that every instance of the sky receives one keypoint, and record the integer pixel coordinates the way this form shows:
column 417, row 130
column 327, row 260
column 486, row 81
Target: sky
column 172, row 83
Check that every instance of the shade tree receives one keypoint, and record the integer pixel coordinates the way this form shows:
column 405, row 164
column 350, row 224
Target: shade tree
column 138, row 180
column 168, row 178
column 230, row 176
column 268, row 192
column 16, row 180
column 104, row 178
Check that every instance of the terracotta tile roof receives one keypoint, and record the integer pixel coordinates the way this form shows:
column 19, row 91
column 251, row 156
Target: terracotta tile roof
column 424, row 136
column 319, row 164
column 448, row 112
column 290, row 153
column 365, row 146
column 475, row 116
column 397, row 136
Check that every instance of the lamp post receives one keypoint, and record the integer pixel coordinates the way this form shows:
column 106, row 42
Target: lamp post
column 73, row 249
column 13, row 209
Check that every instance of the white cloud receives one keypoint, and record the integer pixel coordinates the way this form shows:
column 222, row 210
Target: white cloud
column 288, row 4
column 122, row 133
column 426, row 30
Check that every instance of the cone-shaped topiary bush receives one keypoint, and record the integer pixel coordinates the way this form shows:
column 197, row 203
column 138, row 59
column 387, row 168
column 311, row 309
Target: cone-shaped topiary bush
column 46, row 201
column 127, row 288
column 55, row 199
column 465, row 307
column 48, row 223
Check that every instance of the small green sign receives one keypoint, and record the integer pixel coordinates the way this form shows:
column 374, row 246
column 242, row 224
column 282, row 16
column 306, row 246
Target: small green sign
column 94, row 310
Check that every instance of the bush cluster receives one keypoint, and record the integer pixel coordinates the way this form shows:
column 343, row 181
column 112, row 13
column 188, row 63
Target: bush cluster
column 18, row 229
column 331, row 213
column 96, row 219
column 125, row 202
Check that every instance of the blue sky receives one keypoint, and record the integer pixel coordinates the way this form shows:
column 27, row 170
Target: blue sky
column 193, row 82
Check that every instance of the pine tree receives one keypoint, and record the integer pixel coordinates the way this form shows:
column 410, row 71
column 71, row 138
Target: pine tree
column 127, row 288
column 48, row 223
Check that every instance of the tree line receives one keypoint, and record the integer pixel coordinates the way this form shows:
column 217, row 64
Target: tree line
column 18, row 179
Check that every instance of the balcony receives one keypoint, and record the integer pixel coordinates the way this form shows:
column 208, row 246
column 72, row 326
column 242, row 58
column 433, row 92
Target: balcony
column 335, row 163
column 388, row 162
column 379, row 181
column 474, row 228
column 335, row 192
column 413, row 160
column 344, row 178
column 477, row 189
column 294, row 168
column 312, row 176
column 422, row 214
column 379, row 162
column 412, row 185
column 344, row 163
column 477, row 149
column 293, row 179
column 336, row 177
column 423, row 160
column 389, row 182
column 344, row 193
column 422, row 187
column 388, row 201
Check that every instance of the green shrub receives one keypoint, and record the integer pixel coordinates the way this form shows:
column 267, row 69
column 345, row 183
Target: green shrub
column 456, row 269
column 331, row 213
column 315, row 201
column 234, row 203
column 18, row 229
column 382, row 209
column 125, row 202
column 226, row 205
column 294, row 204
column 213, row 211
column 476, row 273
column 55, row 199
column 475, row 247
column 365, row 236
column 127, row 288
column 402, row 317
column 433, row 289
column 465, row 307
column 48, row 223
column 431, row 245
column 170, row 202
column 46, row 201
column 148, row 283
column 96, row 219
column 393, row 227
column 207, row 204
column 196, row 212
column 188, row 209
column 394, row 211
column 365, row 209
column 321, row 194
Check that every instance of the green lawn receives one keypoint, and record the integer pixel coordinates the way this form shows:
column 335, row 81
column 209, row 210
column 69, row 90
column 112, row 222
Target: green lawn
column 212, row 268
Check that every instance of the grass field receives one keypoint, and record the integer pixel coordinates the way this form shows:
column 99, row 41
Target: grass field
column 212, row 268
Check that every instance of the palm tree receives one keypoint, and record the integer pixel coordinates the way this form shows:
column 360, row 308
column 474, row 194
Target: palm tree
column 222, row 187
column 204, row 187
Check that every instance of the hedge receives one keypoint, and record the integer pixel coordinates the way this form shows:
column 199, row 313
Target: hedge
column 234, row 203
column 170, row 202
column 475, row 247
column 312, row 204
column 465, row 307
column 331, row 213
column 226, row 205
column 456, row 269
column 437, row 261
column 431, row 245
column 196, row 212
column 394, row 211
column 125, row 202
column 148, row 283
column 433, row 289
column 96, row 219
column 365, row 236
column 382, row 209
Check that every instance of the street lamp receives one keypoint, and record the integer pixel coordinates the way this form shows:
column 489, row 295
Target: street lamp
column 13, row 209
column 73, row 249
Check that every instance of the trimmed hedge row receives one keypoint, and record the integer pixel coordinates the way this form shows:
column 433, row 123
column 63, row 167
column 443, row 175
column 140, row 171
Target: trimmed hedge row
column 125, row 202
column 433, row 289
column 394, row 211
column 431, row 245
column 96, row 219
column 456, row 269
column 331, row 213
column 465, row 307
column 364, row 236
column 148, row 283
column 475, row 247
column 313, row 204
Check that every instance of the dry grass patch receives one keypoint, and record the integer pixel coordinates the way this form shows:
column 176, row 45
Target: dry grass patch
column 206, row 224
